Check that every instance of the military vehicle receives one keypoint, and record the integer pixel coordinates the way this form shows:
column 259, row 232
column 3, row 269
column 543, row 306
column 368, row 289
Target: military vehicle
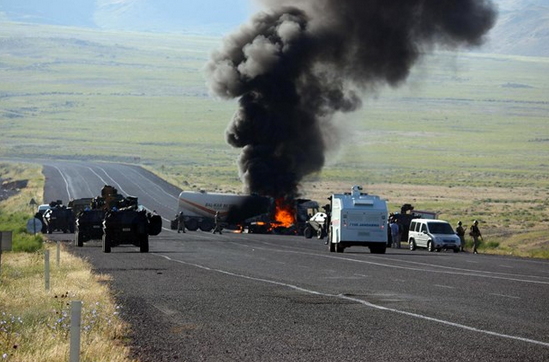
column 130, row 226
column 116, row 219
column 89, row 226
column 58, row 218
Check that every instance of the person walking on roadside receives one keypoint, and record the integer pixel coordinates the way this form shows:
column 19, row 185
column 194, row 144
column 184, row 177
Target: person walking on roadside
column 395, row 234
column 475, row 234
column 181, row 222
column 217, row 221
column 460, row 231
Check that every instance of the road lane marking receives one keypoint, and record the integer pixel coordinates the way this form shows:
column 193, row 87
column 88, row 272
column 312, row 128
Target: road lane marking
column 64, row 179
column 504, row 295
column 455, row 271
column 356, row 300
column 444, row 286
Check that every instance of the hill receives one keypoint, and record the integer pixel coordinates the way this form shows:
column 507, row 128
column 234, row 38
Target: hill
column 522, row 27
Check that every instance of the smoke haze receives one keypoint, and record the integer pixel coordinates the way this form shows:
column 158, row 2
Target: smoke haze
column 298, row 63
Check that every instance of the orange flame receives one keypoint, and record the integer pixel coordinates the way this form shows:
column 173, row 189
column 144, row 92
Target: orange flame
column 284, row 214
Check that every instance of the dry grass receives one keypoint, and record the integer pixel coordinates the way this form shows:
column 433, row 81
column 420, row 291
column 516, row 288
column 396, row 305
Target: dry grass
column 44, row 316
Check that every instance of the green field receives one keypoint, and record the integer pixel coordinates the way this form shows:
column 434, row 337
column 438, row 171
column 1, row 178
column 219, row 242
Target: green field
column 466, row 136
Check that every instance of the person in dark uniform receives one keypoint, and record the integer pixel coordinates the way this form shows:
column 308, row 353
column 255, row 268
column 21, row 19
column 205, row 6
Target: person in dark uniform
column 217, row 220
column 181, row 222
column 460, row 231
column 475, row 233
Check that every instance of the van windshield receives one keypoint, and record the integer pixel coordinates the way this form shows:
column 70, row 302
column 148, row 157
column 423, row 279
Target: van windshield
column 440, row 228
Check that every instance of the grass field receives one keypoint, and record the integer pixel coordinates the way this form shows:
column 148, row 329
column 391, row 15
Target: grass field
column 467, row 136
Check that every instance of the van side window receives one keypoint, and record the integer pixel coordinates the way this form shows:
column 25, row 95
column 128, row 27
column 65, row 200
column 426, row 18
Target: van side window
column 423, row 227
column 413, row 226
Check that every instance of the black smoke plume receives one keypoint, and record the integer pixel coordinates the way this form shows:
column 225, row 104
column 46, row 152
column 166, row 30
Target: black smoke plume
column 294, row 66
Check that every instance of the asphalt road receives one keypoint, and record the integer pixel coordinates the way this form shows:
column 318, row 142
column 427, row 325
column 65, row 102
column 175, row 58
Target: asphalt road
column 248, row 297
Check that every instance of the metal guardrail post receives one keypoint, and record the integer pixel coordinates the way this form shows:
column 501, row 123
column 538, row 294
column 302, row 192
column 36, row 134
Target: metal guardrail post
column 47, row 269
column 76, row 322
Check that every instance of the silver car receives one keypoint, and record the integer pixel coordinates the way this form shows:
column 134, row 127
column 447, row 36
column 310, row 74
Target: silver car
column 433, row 235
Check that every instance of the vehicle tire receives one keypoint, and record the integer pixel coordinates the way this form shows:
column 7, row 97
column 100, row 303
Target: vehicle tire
column 331, row 246
column 430, row 246
column 456, row 250
column 413, row 245
column 308, row 232
column 378, row 249
column 438, row 250
column 206, row 225
column 79, row 239
column 144, row 244
column 191, row 225
column 339, row 248
column 320, row 233
column 106, row 245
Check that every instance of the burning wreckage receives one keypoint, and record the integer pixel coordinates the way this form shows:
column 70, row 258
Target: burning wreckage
column 297, row 66
column 244, row 213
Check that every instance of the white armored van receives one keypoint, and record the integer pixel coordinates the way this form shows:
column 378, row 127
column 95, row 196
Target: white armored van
column 358, row 219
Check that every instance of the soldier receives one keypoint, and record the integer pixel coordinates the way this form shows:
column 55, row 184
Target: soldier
column 460, row 231
column 475, row 233
column 181, row 222
column 217, row 220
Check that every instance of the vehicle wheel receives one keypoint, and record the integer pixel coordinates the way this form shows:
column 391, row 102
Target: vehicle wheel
column 412, row 244
column 339, row 248
column 191, row 225
column 430, row 246
column 320, row 233
column 331, row 246
column 144, row 244
column 79, row 239
column 106, row 243
column 308, row 232
column 378, row 249
column 206, row 225
column 456, row 250
column 438, row 250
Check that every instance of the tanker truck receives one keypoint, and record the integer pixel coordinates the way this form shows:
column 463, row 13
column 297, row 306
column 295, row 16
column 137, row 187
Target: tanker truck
column 199, row 209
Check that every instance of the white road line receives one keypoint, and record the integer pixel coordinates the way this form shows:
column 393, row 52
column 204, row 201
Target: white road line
column 444, row 286
column 456, row 271
column 64, row 179
column 462, row 269
column 360, row 301
column 504, row 295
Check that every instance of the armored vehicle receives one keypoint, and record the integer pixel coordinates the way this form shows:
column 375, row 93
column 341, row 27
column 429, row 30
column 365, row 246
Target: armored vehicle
column 58, row 218
column 130, row 226
column 89, row 226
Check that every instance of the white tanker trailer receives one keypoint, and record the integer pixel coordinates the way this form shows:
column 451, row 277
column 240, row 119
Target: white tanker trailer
column 199, row 209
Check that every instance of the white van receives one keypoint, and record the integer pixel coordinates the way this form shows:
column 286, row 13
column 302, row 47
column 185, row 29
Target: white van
column 433, row 235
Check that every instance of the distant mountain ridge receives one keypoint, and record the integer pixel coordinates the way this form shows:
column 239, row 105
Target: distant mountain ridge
column 131, row 15
column 522, row 27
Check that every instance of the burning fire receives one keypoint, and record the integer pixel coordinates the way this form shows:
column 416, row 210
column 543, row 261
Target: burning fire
column 284, row 214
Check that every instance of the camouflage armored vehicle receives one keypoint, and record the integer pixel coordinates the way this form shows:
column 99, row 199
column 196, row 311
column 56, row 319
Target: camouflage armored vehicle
column 58, row 218
column 130, row 226
column 89, row 226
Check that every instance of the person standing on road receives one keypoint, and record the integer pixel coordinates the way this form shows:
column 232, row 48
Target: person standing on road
column 181, row 222
column 217, row 221
column 395, row 233
column 475, row 233
column 460, row 231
